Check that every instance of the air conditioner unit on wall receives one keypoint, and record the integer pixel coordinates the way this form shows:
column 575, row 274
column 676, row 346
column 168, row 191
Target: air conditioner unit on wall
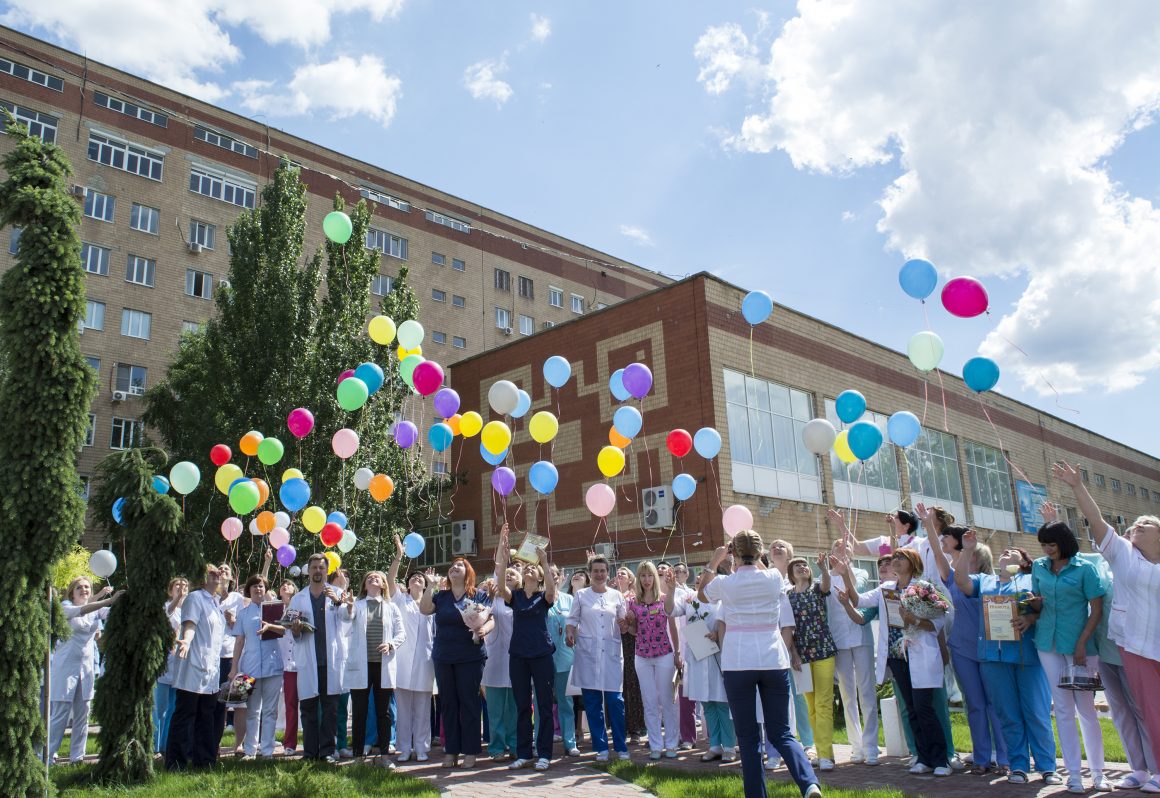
column 195, row 247
column 605, row 550
column 120, row 396
column 77, row 191
column 657, row 507
column 462, row 538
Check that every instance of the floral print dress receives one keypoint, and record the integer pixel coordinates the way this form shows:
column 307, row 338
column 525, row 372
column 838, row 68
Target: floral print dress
column 811, row 635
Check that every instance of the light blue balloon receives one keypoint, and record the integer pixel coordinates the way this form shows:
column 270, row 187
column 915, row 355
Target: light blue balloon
column 371, row 374
column 161, row 484
column 684, row 486
column 337, row 517
column 707, row 442
column 756, row 307
column 118, row 506
column 523, row 405
column 627, row 421
column 981, row 374
column 543, row 476
column 440, row 437
column 413, row 545
column 616, row 385
column 492, row 459
column 557, row 371
column 850, row 405
column 294, row 494
column 903, row 428
column 864, row 439
column 918, row 278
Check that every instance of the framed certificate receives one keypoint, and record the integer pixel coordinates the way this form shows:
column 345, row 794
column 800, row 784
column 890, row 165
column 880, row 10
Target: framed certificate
column 893, row 601
column 527, row 551
column 998, row 613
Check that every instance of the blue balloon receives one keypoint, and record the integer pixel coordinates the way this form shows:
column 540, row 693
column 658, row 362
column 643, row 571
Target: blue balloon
column 627, row 421
column 707, row 442
column 492, row 459
column 557, row 371
column 161, row 484
column 543, row 476
column 850, row 405
column 684, row 486
column 918, row 278
column 294, row 494
column 523, row 405
column 371, row 374
column 756, row 307
column 235, row 482
column 616, row 385
column 903, row 428
column 413, row 545
column 118, row 506
column 864, row 439
column 440, row 436
column 337, row 517
column 981, row 374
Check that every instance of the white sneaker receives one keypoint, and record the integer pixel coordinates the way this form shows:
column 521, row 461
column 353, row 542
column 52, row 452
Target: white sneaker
column 956, row 763
column 557, row 738
column 685, row 747
column 773, row 763
column 857, row 759
column 943, row 771
column 1100, row 783
column 602, row 756
column 403, row 757
column 573, row 752
column 1075, row 785
column 542, row 764
column 422, row 758
column 872, row 761
column 623, row 756
column 519, row 763
column 919, row 769
column 813, row 791
column 728, row 755
column 346, row 753
column 825, row 765
column 912, row 762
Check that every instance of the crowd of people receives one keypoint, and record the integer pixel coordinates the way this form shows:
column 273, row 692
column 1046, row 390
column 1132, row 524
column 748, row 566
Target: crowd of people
column 751, row 653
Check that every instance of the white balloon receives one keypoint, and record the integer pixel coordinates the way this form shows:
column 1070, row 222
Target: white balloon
column 362, row 478
column 504, row 397
column 295, row 570
column 347, row 542
column 819, row 435
column 254, row 527
column 282, row 520
column 279, row 537
column 103, row 563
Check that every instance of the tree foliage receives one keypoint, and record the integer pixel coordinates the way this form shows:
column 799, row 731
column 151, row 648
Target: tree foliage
column 44, row 399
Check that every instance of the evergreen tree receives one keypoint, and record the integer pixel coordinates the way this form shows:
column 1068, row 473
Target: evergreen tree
column 44, row 401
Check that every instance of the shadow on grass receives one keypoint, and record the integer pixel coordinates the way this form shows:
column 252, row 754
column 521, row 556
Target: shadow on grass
column 669, row 783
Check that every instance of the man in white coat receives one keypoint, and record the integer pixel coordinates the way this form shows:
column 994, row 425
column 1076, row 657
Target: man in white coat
column 320, row 656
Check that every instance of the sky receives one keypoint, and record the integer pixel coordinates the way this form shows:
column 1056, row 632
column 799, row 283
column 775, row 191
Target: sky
column 806, row 149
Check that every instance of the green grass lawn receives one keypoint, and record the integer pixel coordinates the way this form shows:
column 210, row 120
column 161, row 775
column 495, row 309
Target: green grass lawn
column 667, row 783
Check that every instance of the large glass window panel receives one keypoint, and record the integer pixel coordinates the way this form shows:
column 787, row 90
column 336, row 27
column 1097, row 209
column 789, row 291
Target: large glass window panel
column 739, row 434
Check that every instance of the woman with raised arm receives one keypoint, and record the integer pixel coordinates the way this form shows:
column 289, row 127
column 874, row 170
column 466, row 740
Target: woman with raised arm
column 497, row 681
column 813, row 646
column 261, row 658
column 634, row 724
column 376, row 634
column 656, row 660
column 414, row 671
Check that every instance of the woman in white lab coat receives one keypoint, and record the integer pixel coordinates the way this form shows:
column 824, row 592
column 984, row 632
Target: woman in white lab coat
column 497, row 683
column 376, row 634
column 414, row 670
column 194, row 734
column 164, row 694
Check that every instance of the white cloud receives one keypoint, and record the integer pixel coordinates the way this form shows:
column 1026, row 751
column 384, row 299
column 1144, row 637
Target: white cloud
column 305, row 23
column 725, row 53
column 849, row 216
column 541, row 28
column 482, row 80
column 1001, row 118
column 344, row 87
column 638, row 235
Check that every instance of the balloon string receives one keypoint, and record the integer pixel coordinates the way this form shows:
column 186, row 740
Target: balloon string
column 943, row 391
column 716, row 485
column 1002, row 450
column 1041, row 376
column 752, row 369
column 925, row 398
column 672, row 529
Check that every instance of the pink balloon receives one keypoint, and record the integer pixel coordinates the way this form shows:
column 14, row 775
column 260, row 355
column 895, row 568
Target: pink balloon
column 279, row 537
column 736, row 519
column 300, row 422
column 600, row 499
column 232, row 528
column 344, row 443
column 344, row 375
column 428, row 377
column 965, row 297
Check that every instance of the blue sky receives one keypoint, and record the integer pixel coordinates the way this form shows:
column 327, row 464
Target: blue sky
column 804, row 151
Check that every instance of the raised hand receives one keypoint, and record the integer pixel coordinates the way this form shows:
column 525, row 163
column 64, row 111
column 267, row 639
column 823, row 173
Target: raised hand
column 1049, row 511
column 843, row 598
column 398, row 548
column 670, row 579
column 970, row 540
column 1066, row 473
column 823, row 561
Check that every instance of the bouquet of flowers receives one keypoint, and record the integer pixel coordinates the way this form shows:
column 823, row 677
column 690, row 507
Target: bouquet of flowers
column 236, row 693
column 475, row 615
column 1023, row 602
column 923, row 600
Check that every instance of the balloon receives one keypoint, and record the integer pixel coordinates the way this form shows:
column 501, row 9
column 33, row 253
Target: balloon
column 557, row 371
column 864, row 439
column 414, row 544
column 286, row 556
column 337, row 517
column 337, row 226
column 381, row 487
column 453, row 422
column 225, row 476
column 446, row 402
column 344, row 443
column 402, row 353
column 294, row 494
column 495, row 436
column 707, row 442
column 918, row 278
column 263, row 490
column 371, row 374
column 492, row 459
column 118, row 507
column 637, row 379
column 616, row 386
column 407, row 368
column 103, row 563
column 244, row 497
column 254, row 528
column 503, row 480
column 616, row 439
column 382, row 330
column 266, row 522
column 352, row 393
column 405, row 434
column 330, row 534
column 842, row 448
column 184, row 477
column 428, row 377
column 249, row 443
column 610, row 461
column 300, row 422
column 362, row 478
column 440, row 436
column 965, row 297
column 292, row 473
column 314, row 518
column 680, row 442
column 981, row 374
column 346, row 375
column 523, row 405
column 282, row 520
column 232, row 528
column 756, row 307
column 347, row 541
column 850, row 405
column 925, row 350
column 294, row 570
column 543, row 476
column 627, row 421
column 161, row 484
column 470, row 424
column 237, row 481
column 903, row 428
column 410, row 334
column 279, row 537
column 220, row 454
column 543, row 427
column 503, row 396
column 270, row 451
column 333, row 561
column 684, row 486
column 818, row 435
column 736, row 518
column 600, row 500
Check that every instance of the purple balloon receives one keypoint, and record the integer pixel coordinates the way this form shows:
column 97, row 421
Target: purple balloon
column 406, row 433
column 446, row 402
column 503, row 479
column 286, row 555
column 637, row 379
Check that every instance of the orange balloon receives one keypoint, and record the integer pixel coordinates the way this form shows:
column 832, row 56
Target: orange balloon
column 381, row 487
column 616, row 439
column 263, row 491
column 266, row 520
column 249, row 443
column 453, row 422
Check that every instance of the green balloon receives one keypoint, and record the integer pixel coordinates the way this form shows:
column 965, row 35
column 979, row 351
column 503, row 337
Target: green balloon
column 407, row 368
column 244, row 497
column 337, row 227
column 270, row 450
column 352, row 393
column 925, row 350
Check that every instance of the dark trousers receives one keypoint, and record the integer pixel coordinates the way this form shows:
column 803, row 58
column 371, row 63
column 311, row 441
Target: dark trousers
column 319, row 721
column 459, row 696
column 383, row 719
column 929, row 741
column 225, row 664
column 193, row 732
column 540, row 672
column 743, row 688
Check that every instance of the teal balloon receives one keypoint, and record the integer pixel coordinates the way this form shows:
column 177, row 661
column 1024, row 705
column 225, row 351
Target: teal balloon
column 161, row 484
column 864, row 439
column 492, row 459
column 118, row 508
column 440, row 436
column 337, row 226
column 294, row 493
column 244, row 497
column 903, row 428
column 981, row 374
column 918, row 278
column 756, row 307
column 352, row 393
column 850, row 405
column 707, row 442
column 270, row 450
column 627, row 421
column 371, row 374
column 684, row 486
column 557, row 371
column 543, row 476
column 413, row 545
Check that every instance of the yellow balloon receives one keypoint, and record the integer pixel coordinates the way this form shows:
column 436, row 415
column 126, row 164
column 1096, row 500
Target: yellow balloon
column 225, row 477
column 314, row 518
column 610, row 461
column 292, row 473
column 333, row 561
column 842, row 448
column 470, row 424
column 382, row 330
column 402, row 352
column 496, row 437
column 543, row 427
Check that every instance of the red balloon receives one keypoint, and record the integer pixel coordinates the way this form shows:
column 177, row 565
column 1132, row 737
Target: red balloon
column 220, row 454
column 331, row 533
column 680, row 442
column 965, row 297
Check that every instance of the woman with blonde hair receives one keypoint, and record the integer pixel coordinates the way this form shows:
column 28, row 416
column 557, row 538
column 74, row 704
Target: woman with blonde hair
column 164, row 696
column 634, row 724
column 657, row 661
column 376, row 634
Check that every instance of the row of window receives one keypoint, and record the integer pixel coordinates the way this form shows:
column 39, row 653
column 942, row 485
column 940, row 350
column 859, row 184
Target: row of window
column 124, row 433
column 225, row 142
column 143, row 271
column 439, row 259
column 39, row 124
column 128, row 378
column 1117, row 487
column 103, row 208
column 439, row 295
column 503, row 321
column 31, row 75
column 130, row 109
column 448, row 221
column 527, row 289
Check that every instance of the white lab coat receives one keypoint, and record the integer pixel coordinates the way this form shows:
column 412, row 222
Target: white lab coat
column 599, row 659
column 393, row 633
column 922, row 651
column 338, row 623
column 200, row 671
column 498, row 643
column 171, row 658
column 702, row 680
column 74, row 660
column 414, row 669
column 232, row 603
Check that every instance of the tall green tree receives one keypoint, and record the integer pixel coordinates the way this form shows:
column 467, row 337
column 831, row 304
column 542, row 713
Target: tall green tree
column 280, row 339
column 44, row 400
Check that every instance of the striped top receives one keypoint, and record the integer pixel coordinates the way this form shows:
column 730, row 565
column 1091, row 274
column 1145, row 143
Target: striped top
column 374, row 629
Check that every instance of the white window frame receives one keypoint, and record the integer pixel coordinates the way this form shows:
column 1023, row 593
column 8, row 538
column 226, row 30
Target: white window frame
column 136, row 323
column 95, row 312
column 203, row 233
column 502, row 280
column 102, row 207
column 438, row 337
column 383, row 198
column 41, row 125
column 529, row 284
column 18, row 70
column 203, row 133
column 577, row 304
column 874, row 485
column 459, row 342
column 95, row 259
column 195, row 279
column 929, row 490
column 438, row 259
column 140, row 270
column 377, row 283
column 135, row 378
column 989, row 480
column 555, row 296
column 438, row 295
column 218, row 185
column 527, row 325
column 121, row 427
column 387, row 243
column 458, row 301
column 503, row 319
column 448, row 221
column 191, row 327
column 130, row 109
column 459, row 264
column 131, row 158
column 145, row 218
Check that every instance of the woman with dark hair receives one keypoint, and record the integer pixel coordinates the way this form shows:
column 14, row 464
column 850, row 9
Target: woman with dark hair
column 634, row 723
column 415, row 673
column 814, row 649
column 258, row 656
